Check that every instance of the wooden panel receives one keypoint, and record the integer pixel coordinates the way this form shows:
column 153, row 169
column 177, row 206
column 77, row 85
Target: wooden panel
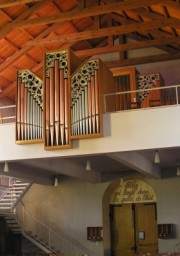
column 150, row 98
column 146, row 222
column 123, row 231
column 125, row 80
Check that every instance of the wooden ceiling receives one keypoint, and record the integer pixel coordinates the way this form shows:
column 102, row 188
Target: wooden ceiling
column 29, row 28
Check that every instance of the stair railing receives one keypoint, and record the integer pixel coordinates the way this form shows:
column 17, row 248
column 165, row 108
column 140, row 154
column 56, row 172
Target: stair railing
column 14, row 198
column 57, row 243
column 5, row 183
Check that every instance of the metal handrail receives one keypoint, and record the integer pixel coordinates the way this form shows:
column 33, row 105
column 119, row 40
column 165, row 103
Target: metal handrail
column 6, row 190
column 58, row 243
column 137, row 92
column 144, row 90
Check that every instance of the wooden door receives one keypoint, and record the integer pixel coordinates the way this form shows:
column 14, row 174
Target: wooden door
column 146, row 228
column 122, row 230
column 133, row 229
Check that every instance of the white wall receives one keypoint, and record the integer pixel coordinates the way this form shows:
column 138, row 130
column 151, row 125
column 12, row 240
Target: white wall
column 75, row 205
column 124, row 131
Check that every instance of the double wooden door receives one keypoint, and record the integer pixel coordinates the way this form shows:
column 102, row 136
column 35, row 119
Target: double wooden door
column 133, row 229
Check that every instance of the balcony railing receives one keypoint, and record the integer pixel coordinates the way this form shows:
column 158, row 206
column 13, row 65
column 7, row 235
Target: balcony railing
column 118, row 101
column 144, row 98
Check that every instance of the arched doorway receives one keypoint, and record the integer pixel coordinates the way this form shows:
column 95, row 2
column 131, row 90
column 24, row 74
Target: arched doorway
column 129, row 219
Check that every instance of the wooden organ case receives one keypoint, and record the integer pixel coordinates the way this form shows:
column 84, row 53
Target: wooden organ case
column 88, row 84
column 29, row 108
column 148, row 97
column 125, row 80
column 58, row 67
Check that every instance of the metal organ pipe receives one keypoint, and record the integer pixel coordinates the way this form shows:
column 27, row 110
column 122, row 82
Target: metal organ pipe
column 56, row 72
column 85, row 100
column 29, row 107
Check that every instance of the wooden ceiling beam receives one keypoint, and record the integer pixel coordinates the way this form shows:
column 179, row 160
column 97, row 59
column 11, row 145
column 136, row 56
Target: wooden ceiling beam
column 87, row 12
column 119, row 30
column 125, row 47
column 143, row 60
column 156, row 33
column 9, row 26
column 172, row 4
column 8, row 3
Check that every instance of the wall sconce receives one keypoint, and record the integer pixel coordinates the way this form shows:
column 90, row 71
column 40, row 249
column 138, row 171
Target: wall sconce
column 88, row 166
column 178, row 169
column 6, row 167
column 156, row 157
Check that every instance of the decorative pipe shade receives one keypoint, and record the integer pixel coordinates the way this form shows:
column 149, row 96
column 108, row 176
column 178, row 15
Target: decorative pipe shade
column 6, row 167
column 157, row 158
column 88, row 166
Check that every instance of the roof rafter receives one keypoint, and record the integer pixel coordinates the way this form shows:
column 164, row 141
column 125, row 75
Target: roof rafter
column 8, row 3
column 126, row 47
column 119, row 30
column 143, row 60
column 91, row 11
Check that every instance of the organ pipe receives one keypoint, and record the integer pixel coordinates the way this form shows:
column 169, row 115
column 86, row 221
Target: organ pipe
column 29, row 107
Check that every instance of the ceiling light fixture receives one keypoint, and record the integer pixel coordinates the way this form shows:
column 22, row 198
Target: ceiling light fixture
column 88, row 166
column 56, row 182
column 6, row 167
column 178, row 169
column 121, row 181
column 157, row 157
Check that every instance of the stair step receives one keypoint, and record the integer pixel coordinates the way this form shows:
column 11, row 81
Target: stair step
column 10, row 221
column 16, row 230
column 22, row 183
column 17, row 188
column 5, row 202
column 13, row 225
column 9, row 195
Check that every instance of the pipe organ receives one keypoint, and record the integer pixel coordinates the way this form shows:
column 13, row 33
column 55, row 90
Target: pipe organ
column 58, row 68
column 88, row 84
column 148, row 81
column 29, row 108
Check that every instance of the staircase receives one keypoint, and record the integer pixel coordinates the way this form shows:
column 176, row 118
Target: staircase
column 20, row 221
column 12, row 195
column 46, row 238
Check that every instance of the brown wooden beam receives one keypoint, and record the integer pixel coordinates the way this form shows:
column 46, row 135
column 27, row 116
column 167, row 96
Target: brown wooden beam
column 8, row 3
column 5, row 29
column 87, row 12
column 126, row 47
column 143, row 60
column 119, row 30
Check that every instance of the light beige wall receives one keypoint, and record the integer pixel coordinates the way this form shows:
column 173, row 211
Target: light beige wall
column 75, row 205
column 71, row 208
column 168, row 210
